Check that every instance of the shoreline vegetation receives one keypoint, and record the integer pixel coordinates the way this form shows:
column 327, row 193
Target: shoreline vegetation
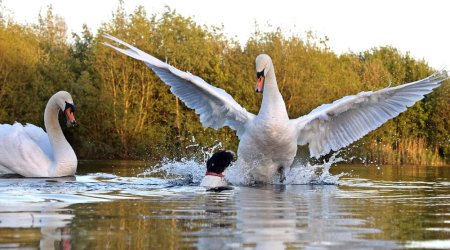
column 125, row 112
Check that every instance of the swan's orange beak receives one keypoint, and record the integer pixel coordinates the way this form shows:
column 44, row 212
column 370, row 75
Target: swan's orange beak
column 70, row 117
column 260, row 84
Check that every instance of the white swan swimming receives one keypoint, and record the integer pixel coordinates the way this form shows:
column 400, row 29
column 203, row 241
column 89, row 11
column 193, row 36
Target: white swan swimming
column 268, row 141
column 30, row 152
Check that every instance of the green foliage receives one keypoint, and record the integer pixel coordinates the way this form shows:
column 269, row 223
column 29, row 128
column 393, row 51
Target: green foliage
column 125, row 111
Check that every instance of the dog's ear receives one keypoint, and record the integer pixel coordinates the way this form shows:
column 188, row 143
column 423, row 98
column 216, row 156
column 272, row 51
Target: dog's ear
column 231, row 154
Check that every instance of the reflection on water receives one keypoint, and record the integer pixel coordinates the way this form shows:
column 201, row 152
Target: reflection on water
column 116, row 207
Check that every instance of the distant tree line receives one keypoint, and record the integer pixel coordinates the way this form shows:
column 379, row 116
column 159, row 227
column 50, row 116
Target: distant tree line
column 124, row 111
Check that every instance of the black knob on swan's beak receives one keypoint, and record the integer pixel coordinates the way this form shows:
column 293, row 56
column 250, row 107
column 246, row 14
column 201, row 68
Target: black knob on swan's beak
column 71, row 123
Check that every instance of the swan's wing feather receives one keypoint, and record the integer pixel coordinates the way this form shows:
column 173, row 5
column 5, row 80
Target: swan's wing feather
column 20, row 153
column 39, row 136
column 336, row 125
column 215, row 107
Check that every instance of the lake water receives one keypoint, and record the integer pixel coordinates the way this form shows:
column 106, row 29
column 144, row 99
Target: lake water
column 114, row 205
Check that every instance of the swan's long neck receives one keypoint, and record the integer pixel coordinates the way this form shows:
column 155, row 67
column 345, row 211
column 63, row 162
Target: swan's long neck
column 65, row 160
column 273, row 106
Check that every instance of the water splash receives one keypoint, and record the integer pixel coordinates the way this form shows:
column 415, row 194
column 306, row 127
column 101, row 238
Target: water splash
column 190, row 171
column 299, row 173
column 314, row 173
column 184, row 171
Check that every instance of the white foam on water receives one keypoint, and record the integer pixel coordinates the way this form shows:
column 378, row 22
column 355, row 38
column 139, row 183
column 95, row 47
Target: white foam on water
column 189, row 169
column 186, row 170
column 299, row 173
column 314, row 173
column 192, row 170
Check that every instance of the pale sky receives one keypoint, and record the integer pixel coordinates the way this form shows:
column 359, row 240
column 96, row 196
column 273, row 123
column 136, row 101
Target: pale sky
column 421, row 27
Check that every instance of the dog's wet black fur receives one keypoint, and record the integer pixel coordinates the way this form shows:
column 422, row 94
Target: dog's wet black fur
column 219, row 161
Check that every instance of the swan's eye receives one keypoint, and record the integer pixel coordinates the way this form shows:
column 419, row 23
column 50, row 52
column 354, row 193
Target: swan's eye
column 260, row 74
column 70, row 106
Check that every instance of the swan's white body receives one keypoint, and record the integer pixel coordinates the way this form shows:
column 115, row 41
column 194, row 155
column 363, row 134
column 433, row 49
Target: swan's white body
column 30, row 152
column 268, row 141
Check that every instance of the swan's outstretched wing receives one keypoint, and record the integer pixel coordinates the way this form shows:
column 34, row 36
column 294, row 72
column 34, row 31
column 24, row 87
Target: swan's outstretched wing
column 215, row 106
column 336, row 125
column 19, row 149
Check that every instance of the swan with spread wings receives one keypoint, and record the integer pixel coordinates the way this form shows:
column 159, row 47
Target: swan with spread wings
column 268, row 141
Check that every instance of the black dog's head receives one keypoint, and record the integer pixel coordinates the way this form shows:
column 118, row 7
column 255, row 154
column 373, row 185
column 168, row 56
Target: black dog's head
column 219, row 161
